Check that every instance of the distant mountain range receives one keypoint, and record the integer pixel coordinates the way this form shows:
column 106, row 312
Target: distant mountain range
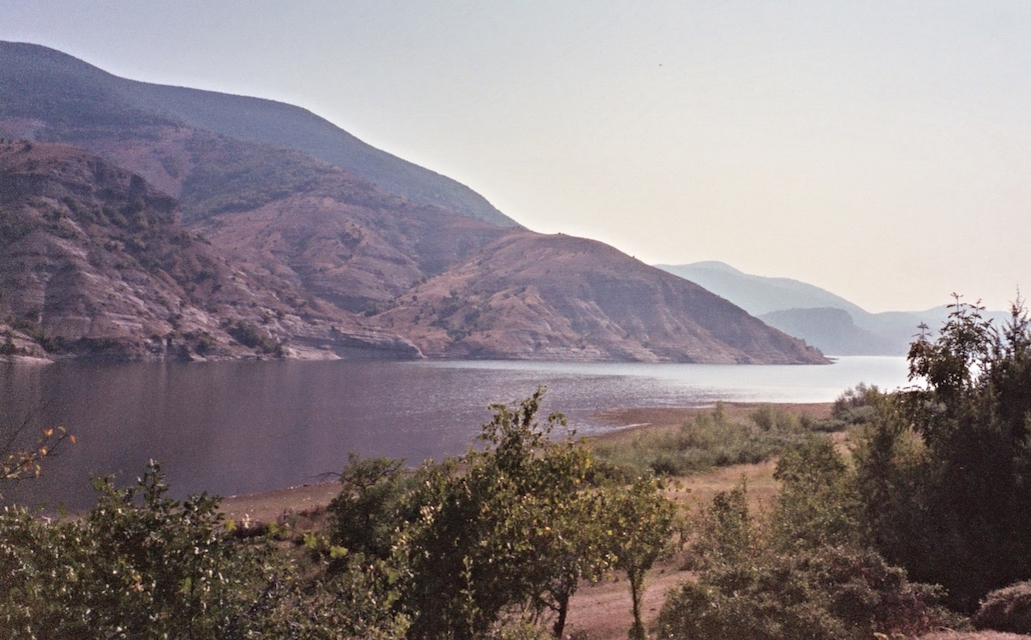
column 821, row 318
column 303, row 241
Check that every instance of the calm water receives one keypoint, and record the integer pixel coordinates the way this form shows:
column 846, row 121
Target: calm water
column 241, row 427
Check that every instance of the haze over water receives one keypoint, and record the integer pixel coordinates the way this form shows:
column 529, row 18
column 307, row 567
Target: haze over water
column 242, row 427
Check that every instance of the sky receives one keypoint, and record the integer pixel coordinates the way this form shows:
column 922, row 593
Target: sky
column 878, row 149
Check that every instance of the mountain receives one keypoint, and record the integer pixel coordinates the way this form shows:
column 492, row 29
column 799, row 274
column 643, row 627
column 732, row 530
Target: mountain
column 759, row 294
column 559, row 297
column 327, row 231
column 821, row 318
column 350, row 246
column 94, row 261
column 830, row 329
column 71, row 98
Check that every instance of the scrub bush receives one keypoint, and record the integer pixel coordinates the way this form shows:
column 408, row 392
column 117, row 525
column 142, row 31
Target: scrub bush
column 1007, row 609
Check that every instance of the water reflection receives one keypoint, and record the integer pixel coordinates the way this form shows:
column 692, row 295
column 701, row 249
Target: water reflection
column 239, row 427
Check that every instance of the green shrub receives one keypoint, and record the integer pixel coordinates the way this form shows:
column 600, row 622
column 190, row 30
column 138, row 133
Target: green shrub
column 8, row 348
column 817, row 505
column 854, row 407
column 369, row 509
column 35, row 331
column 798, row 572
column 141, row 565
column 831, row 593
column 138, row 565
column 706, row 441
column 252, row 336
column 793, row 575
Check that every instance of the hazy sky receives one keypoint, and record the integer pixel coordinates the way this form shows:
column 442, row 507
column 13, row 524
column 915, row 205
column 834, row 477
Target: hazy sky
column 879, row 149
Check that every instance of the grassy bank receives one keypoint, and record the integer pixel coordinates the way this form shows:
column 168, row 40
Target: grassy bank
column 683, row 442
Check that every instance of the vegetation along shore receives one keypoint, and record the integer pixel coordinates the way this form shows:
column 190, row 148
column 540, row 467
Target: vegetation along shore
column 881, row 515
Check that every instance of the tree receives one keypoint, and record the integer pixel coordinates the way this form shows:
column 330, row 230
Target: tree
column 368, row 511
column 511, row 527
column 643, row 521
column 572, row 546
column 816, row 505
column 944, row 470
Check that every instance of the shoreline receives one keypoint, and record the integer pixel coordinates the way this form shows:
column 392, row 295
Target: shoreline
column 267, row 506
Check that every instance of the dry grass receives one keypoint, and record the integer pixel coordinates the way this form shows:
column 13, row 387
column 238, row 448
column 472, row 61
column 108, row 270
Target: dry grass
column 659, row 419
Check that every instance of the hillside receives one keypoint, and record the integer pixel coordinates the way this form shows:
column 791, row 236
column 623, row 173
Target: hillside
column 94, row 261
column 281, row 214
column 354, row 261
column 760, row 294
column 71, row 99
column 802, row 310
column 558, row 297
column 832, row 330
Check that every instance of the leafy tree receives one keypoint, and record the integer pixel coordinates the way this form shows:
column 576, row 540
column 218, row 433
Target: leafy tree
column 503, row 528
column 944, row 468
column 643, row 522
column 816, row 505
column 368, row 511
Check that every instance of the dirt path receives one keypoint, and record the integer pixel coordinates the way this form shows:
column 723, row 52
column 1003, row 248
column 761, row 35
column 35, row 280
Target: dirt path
column 603, row 610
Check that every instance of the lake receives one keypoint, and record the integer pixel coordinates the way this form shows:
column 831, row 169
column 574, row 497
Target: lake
column 243, row 427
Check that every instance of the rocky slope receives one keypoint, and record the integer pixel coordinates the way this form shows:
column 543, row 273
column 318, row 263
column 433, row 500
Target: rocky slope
column 279, row 213
column 558, row 297
column 93, row 260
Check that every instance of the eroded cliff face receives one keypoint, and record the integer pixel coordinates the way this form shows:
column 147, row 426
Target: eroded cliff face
column 94, row 261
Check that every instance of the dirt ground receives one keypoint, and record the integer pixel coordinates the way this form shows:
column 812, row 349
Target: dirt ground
column 267, row 507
